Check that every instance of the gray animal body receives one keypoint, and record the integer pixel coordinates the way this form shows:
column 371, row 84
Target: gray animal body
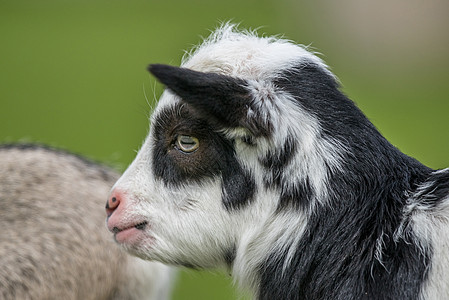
column 53, row 241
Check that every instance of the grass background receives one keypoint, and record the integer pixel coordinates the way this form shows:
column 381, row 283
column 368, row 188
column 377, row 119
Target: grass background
column 72, row 72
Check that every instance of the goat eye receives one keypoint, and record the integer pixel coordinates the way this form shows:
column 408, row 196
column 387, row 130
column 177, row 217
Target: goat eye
column 187, row 143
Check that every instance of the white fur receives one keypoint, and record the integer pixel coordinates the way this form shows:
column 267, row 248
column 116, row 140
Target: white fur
column 246, row 55
column 436, row 225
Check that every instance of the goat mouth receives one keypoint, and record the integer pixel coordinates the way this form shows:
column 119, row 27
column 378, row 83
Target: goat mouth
column 131, row 235
column 139, row 226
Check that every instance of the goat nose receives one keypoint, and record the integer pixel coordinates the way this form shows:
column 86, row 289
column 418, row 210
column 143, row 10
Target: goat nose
column 112, row 203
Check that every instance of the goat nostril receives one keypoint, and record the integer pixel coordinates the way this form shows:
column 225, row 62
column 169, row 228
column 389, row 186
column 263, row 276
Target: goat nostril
column 112, row 204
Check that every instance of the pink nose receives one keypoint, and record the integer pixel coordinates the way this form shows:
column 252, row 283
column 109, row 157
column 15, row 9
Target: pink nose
column 113, row 203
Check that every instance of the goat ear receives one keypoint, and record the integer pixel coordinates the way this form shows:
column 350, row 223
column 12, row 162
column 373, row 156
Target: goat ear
column 223, row 98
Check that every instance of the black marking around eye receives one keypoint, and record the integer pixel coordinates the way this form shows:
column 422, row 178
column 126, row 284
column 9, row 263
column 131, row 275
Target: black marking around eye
column 214, row 158
column 175, row 167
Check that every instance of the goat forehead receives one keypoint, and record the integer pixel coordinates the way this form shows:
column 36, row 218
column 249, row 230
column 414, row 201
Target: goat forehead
column 246, row 55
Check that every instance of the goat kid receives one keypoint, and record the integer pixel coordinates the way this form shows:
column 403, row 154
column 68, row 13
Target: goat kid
column 257, row 163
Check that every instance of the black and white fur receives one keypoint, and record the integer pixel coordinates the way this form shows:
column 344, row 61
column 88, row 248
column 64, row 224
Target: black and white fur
column 292, row 189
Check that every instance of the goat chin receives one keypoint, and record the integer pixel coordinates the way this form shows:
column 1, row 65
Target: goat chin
column 258, row 164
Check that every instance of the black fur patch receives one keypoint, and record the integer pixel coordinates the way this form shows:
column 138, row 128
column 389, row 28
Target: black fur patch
column 238, row 186
column 336, row 257
column 318, row 93
column 214, row 157
column 296, row 196
column 230, row 256
column 219, row 98
column 275, row 161
column 334, row 260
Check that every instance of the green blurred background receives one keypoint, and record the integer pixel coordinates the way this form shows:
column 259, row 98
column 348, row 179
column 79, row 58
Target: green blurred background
column 72, row 73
